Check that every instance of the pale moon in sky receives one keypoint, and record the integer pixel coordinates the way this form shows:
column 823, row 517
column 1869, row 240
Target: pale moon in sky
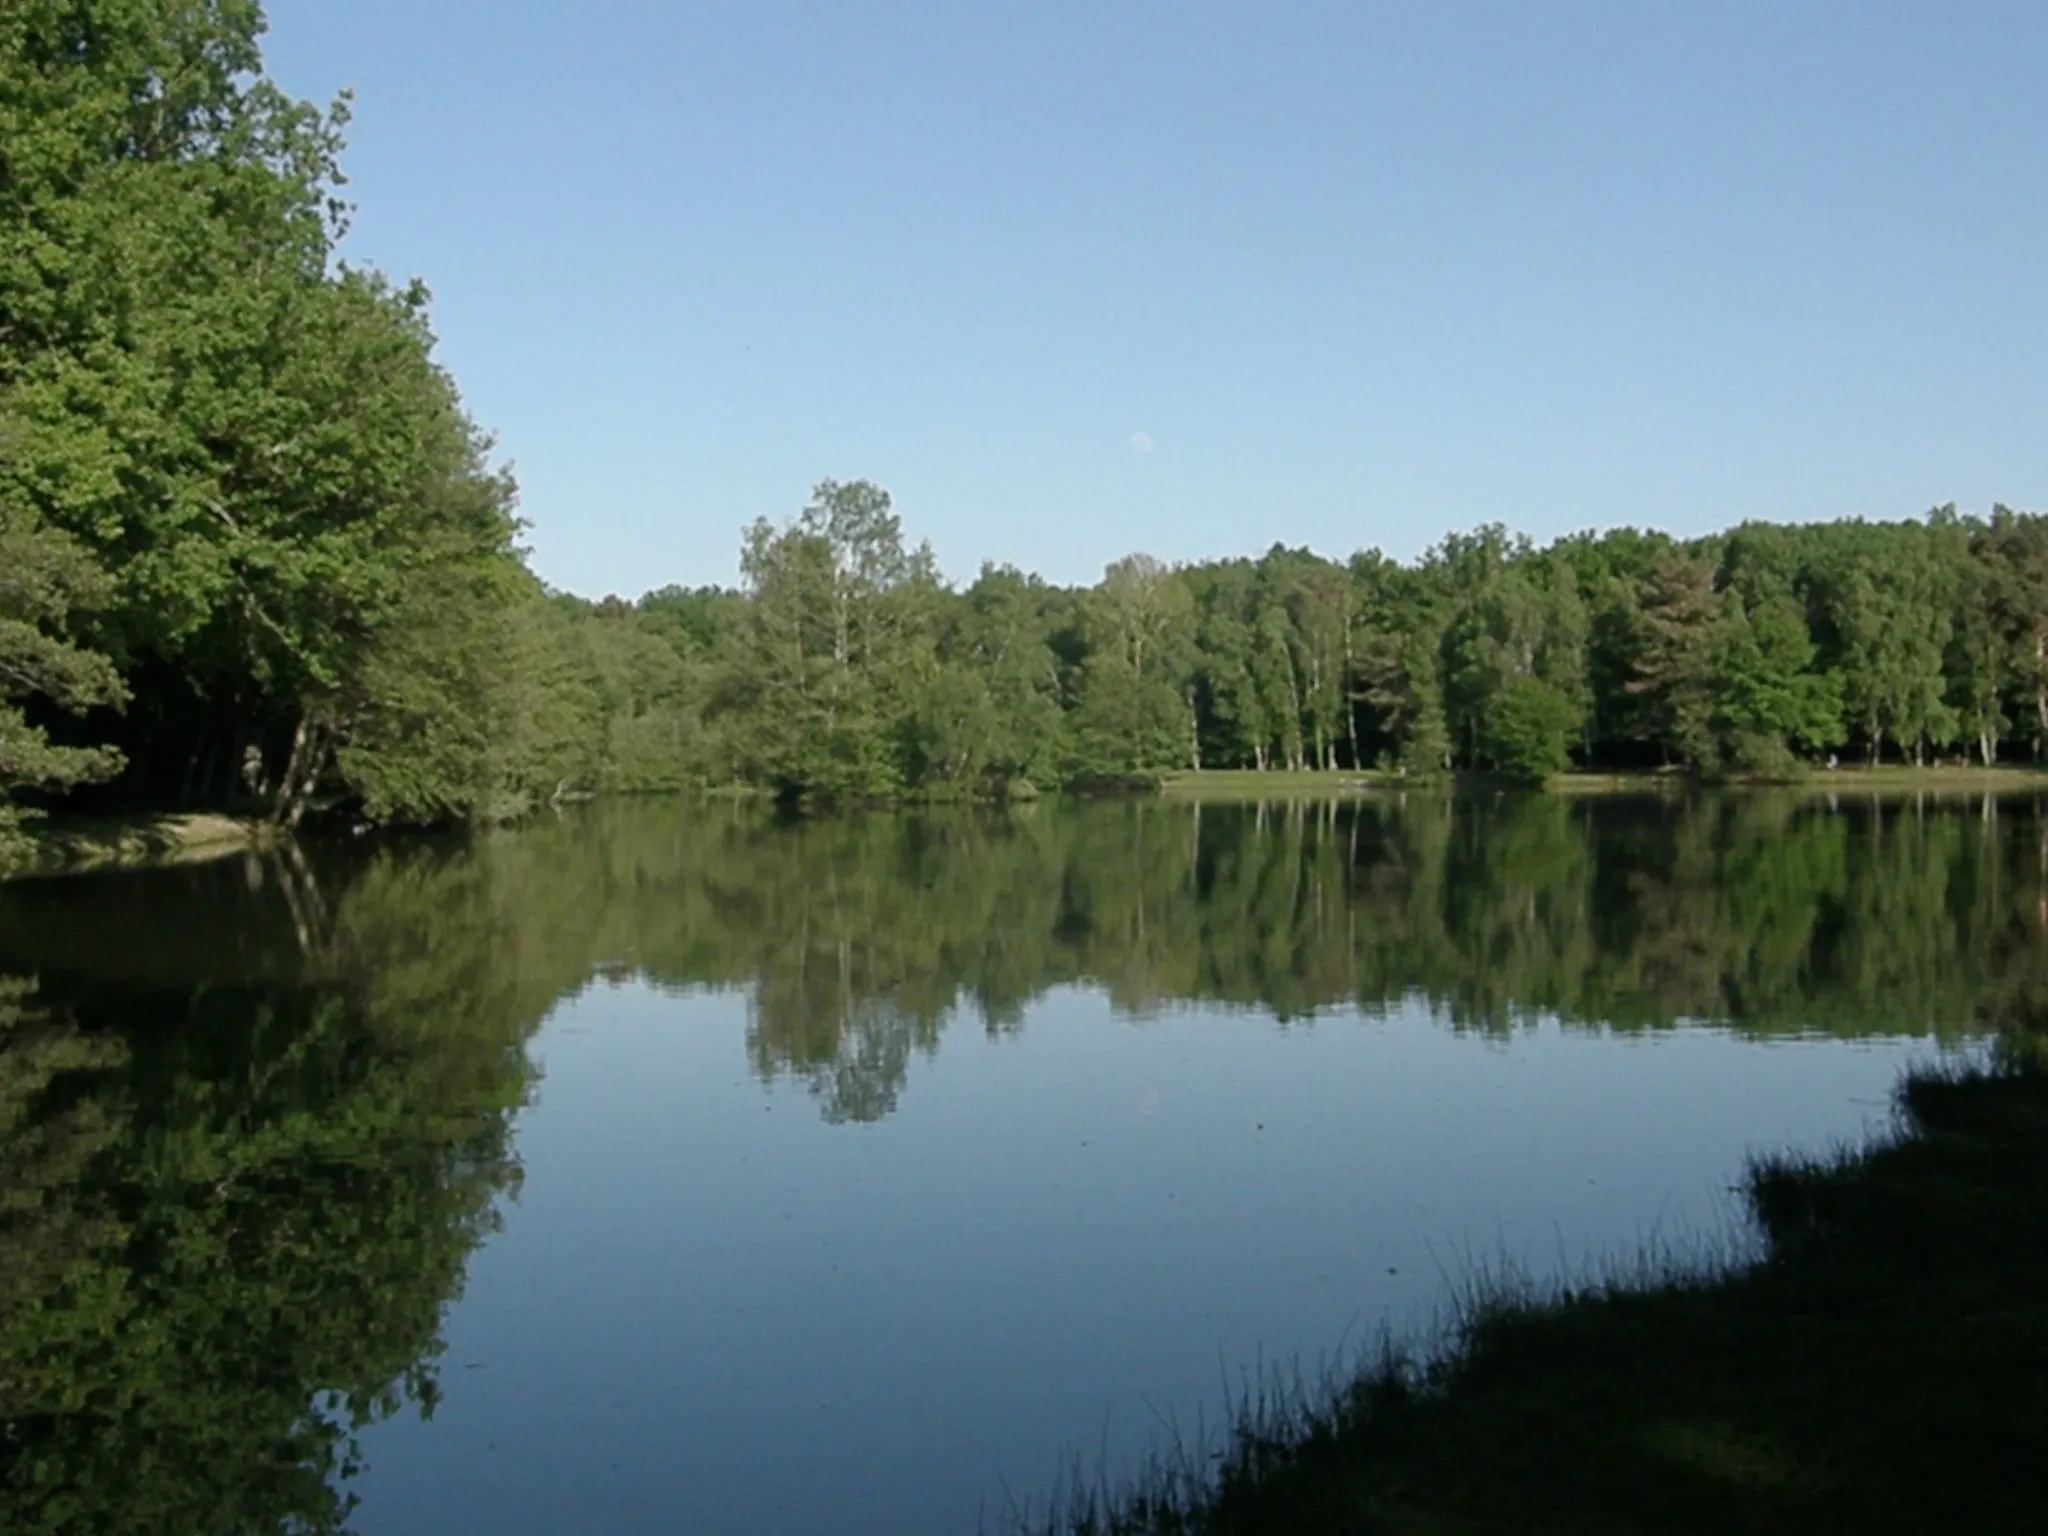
column 1141, row 442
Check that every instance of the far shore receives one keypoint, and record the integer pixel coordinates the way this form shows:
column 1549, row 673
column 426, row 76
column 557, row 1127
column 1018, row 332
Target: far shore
column 59, row 845
column 1249, row 784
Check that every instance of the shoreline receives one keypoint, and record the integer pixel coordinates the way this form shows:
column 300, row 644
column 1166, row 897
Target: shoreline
column 1249, row 784
column 1876, row 1369
column 76, row 845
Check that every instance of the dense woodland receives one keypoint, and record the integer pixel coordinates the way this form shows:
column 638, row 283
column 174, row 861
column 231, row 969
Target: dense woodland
column 257, row 556
column 846, row 667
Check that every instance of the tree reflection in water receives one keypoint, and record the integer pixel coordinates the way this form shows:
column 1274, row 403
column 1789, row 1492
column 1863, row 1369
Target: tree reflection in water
column 254, row 1117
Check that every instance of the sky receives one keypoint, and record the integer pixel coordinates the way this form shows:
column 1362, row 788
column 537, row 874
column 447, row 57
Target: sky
column 1077, row 278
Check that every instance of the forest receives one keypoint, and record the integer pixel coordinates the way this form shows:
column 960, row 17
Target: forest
column 259, row 558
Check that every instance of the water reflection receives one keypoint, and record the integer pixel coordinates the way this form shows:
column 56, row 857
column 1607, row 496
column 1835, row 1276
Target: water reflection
column 229, row 1222
column 255, row 1117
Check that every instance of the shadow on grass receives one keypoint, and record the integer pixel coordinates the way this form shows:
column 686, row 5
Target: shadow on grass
column 1882, row 1368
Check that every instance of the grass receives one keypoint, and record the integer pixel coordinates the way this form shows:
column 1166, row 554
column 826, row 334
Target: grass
column 70, row 844
column 1246, row 784
column 1882, row 1366
column 1659, row 781
column 1892, row 778
column 1250, row 784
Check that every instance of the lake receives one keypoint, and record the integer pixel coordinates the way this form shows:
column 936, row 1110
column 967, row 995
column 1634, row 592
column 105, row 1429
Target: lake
column 668, row 1167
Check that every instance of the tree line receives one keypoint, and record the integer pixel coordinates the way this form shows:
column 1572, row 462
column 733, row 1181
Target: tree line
column 258, row 556
column 844, row 667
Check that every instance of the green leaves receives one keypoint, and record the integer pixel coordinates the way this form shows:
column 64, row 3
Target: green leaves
column 45, row 582
column 1766, row 696
column 238, row 486
column 1529, row 728
column 252, row 444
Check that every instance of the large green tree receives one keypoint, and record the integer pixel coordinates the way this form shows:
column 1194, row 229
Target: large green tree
column 1135, row 714
column 249, row 440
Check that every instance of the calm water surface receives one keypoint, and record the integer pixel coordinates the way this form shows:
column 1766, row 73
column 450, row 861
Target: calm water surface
column 704, row 1173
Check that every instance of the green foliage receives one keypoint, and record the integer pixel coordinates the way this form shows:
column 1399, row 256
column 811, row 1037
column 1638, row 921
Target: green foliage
column 1529, row 727
column 847, row 670
column 263, row 485
column 47, row 579
column 839, row 619
column 1670, row 667
column 1768, row 699
column 1134, row 714
column 242, row 497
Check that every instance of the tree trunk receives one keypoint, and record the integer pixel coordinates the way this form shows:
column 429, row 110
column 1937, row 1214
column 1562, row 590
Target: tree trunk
column 1294, row 699
column 302, row 796
column 1194, row 732
column 1350, row 688
column 302, row 772
column 281, row 807
column 2041, row 692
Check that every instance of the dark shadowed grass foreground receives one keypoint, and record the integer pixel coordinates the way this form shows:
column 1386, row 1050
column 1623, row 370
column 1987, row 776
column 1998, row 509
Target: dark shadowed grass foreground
column 1882, row 1368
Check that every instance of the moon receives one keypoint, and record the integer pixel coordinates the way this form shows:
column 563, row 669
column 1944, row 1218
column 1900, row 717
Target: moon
column 1141, row 442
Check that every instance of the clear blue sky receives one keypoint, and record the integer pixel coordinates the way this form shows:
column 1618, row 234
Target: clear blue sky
column 1078, row 277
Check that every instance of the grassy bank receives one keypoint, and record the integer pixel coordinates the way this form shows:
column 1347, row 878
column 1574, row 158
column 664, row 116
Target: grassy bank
column 65, row 845
column 1883, row 1368
column 1246, row 784
column 1943, row 779
column 1250, row 784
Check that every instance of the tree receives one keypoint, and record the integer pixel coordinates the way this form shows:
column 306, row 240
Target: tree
column 1767, row 699
column 1528, row 728
column 1235, row 729
column 787, row 668
column 1891, row 594
column 1133, row 715
column 1980, row 664
column 1006, row 628
column 1611, row 572
column 2015, row 552
column 1672, row 672
column 1397, row 646
column 1513, row 615
column 1309, row 601
column 1491, row 632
